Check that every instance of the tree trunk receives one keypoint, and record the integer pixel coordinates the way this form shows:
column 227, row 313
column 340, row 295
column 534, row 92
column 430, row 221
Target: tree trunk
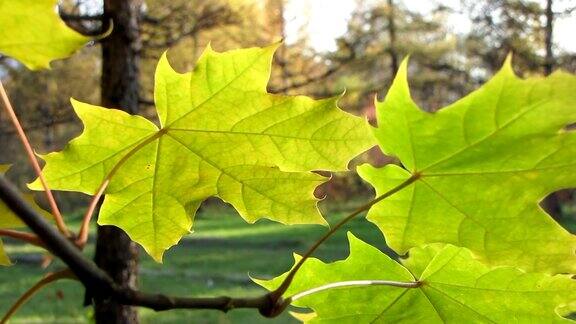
column 392, row 35
column 115, row 252
column 549, row 59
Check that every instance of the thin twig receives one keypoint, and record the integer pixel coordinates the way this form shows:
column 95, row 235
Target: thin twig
column 353, row 284
column 277, row 294
column 84, row 228
column 49, row 278
column 33, row 161
column 22, row 236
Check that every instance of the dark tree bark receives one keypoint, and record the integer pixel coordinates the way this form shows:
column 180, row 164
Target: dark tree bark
column 549, row 59
column 119, row 83
column 392, row 35
column 115, row 252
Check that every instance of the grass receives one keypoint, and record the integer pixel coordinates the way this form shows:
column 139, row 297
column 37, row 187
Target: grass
column 216, row 259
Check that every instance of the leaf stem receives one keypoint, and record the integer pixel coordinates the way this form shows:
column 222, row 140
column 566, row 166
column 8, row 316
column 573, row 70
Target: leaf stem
column 49, row 278
column 354, row 283
column 33, row 161
column 277, row 294
column 22, row 236
column 84, row 228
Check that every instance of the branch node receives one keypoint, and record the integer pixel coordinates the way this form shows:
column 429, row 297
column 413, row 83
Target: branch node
column 228, row 306
column 273, row 306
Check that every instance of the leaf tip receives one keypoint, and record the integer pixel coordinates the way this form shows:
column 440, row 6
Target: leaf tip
column 37, row 66
column 208, row 48
column 164, row 65
column 402, row 74
column 4, row 168
column 157, row 255
column 353, row 240
column 303, row 317
column 78, row 106
column 35, row 185
column 74, row 101
column 508, row 60
column 400, row 87
column 274, row 46
column 341, row 94
column 507, row 67
column 322, row 221
column 108, row 31
column 258, row 281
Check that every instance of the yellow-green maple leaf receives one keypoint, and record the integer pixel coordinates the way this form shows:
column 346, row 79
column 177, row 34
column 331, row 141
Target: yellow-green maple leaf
column 221, row 135
column 4, row 260
column 455, row 288
column 484, row 163
column 32, row 32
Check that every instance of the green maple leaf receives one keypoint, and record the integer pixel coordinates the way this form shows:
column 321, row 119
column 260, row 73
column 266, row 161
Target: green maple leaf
column 455, row 288
column 221, row 135
column 4, row 260
column 32, row 32
column 483, row 163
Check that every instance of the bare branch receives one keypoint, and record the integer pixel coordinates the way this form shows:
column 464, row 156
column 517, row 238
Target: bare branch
column 99, row 284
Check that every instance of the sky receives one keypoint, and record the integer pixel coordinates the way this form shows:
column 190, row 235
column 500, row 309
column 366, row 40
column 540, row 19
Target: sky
column 325, row 20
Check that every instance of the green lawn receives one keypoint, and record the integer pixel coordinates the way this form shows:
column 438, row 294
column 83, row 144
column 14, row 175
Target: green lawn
column 216, row 259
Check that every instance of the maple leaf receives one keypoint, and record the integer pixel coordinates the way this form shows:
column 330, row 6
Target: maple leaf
column 455, row 288
column 221, row 135
column 482, row 165
column 32, row 32
column 4, row 260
